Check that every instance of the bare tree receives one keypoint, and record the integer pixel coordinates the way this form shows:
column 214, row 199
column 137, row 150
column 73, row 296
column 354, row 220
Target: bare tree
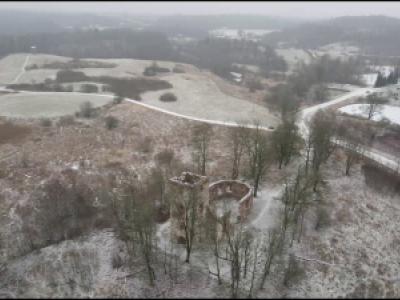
column 286, row 141
column 352, row 146
column 320, row 144
column 259, row 154
column 323, row 129
column 296, row 198
column 191, row 214
column 271, row 248
column 374, row 104
column 201, row 137
column 237, row 143
column 237, row 242
column 136, row 215
column 212, row 235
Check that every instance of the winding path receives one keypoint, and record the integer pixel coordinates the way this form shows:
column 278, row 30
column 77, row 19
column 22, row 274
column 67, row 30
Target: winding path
column 305, row 115
column 22, row 72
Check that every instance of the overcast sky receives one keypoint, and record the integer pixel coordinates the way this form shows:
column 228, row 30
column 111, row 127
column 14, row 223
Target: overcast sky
column 302, row 9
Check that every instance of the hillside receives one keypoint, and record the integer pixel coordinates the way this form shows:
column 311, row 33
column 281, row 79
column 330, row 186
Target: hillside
column 373, row 34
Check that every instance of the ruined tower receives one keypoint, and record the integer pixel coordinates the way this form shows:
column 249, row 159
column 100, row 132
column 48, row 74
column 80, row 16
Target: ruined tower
column 185, row 188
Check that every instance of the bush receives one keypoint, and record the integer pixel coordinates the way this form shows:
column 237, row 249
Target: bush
column 66, row 121
column 323, row 218
column 89, row 88
column 45, row 122
column 178, row 69
column 111, row 122
column 154, row 69
column 86, row 110
column 146, row 145
column 254, row 85
column 70, row 76
column 294, row 272
column 168, row 97
column 118, row 99
column 149, row 72
column 117, row 261
column 165, row 157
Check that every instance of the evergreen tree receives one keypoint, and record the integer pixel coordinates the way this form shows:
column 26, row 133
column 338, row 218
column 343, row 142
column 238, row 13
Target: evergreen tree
column 380, row 80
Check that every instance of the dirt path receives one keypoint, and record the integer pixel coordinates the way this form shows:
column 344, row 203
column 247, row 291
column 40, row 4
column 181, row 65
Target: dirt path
column 305, row 114
column 22, row 70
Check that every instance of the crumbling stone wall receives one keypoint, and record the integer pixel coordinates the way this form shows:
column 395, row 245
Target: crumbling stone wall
column 236, row 189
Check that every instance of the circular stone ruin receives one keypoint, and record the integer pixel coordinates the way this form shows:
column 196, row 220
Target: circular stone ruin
column 231, row 196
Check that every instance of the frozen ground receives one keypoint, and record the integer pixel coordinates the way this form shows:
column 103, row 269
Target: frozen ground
column 388, row 112
column 337, row 50
column 124, row 68
column 293, row 56
column 360, row 246
column 26, row 105
column 10, row 67
column 199, row 97
column 369, row 78
column 251, row 34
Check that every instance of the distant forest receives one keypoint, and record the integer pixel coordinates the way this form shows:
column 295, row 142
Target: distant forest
column 199, row 26
column 217, row 55
column 375, row 35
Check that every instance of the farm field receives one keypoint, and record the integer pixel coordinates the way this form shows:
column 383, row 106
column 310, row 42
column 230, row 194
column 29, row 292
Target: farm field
column 198, row 95
column 26, row 105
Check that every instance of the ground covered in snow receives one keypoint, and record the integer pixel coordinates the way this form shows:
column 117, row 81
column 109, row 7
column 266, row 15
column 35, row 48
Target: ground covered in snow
column 25, row 105
column 198, row 94
column 384, row 112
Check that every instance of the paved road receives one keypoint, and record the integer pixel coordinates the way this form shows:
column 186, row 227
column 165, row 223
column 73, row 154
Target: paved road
column 373, row 154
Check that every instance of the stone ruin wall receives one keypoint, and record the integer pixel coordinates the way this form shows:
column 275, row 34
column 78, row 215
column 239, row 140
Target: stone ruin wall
column 241, row 191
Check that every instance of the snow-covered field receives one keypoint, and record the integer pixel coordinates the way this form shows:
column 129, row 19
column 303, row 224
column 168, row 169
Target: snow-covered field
column 369, row 78
column 125, row 67
column 10, row 67
column 199, row 97
column 386, row 112
column 251, row 34
column 337, row 50
column 26, row 105
column 294, row 56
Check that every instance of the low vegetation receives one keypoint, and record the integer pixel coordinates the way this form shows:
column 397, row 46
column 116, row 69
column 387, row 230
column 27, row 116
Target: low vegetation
column 124, row 87
column 168, row 97
column 72, row 64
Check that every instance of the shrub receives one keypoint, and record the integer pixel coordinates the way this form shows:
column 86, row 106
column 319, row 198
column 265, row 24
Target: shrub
column 254, row 85
column 165, row 157
column 118, row 99
column 70, row 76
column 145, row 145
column 86, row 110
column 117, row 261
column 168, row 97
column 66, row 121
column 294, row 272
column 178, row 69
column 89, row 88
column 323, row 218
column 45, row 122
column 149, row 72
column 111, row 122
column 154, row 69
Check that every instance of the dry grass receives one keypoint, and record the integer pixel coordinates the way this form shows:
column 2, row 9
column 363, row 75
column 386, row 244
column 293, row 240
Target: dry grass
column 11, row 133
